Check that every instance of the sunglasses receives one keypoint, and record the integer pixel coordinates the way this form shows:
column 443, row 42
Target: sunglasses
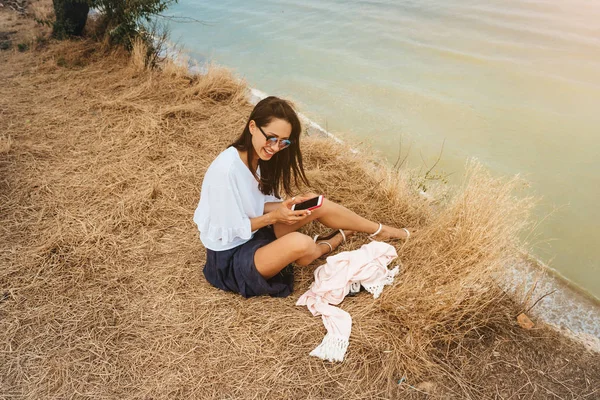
column 271, row 140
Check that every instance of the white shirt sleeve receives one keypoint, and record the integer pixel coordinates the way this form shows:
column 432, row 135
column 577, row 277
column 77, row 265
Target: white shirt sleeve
column 272, row 199
column 221, row 215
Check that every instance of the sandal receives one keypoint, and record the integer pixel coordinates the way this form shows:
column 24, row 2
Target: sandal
column 378, row 231
column 323, row 239
column 331, row 235
column 330, row 248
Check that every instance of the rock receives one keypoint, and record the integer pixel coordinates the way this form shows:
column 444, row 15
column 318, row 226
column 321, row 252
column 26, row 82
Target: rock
column 525, row 322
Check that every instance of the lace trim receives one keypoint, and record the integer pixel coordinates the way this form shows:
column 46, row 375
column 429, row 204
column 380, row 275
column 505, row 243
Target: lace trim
column 332, row 348
column 376, row 290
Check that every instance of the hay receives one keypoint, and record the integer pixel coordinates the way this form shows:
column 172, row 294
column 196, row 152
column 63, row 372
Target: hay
column 102, row 292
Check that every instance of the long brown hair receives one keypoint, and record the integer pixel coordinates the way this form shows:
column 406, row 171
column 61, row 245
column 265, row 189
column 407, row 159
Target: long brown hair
column 278, row 171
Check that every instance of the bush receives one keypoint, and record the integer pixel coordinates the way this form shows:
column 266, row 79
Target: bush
column 124, row 19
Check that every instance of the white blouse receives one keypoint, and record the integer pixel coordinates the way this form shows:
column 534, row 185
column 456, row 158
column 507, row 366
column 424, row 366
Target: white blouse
column 229, row 198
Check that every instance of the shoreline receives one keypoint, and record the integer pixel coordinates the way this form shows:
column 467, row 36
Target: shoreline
column 554, row 301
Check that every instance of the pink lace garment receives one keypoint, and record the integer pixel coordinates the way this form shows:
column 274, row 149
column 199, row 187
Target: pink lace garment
column 366, row 266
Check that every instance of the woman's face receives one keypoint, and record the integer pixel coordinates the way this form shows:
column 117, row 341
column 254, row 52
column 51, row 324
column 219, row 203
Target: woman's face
column 263, row 148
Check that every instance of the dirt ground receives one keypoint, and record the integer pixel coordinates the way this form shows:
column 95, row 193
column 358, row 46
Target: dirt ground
column 101, row 289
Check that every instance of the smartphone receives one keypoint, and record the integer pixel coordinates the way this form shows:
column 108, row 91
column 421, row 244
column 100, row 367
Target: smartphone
column 309, row 204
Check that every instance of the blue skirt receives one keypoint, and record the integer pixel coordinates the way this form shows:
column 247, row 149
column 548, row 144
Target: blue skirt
column 234, row 269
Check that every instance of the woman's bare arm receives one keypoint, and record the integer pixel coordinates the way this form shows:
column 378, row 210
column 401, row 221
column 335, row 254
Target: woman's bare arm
column 271, row 206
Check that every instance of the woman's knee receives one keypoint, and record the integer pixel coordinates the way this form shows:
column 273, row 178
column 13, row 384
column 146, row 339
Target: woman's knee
column 301, row 243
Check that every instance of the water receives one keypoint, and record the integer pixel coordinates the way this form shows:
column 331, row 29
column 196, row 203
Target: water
column 515, row 84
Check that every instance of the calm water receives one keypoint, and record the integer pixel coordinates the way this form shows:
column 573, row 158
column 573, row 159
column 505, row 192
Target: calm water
column 515, row 84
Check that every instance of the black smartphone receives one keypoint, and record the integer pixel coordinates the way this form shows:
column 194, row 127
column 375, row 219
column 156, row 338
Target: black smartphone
column 309, row 204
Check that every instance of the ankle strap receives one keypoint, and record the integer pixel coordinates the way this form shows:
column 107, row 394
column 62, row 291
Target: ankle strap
column 407, row 233
column 327, row 243
column 377, row 231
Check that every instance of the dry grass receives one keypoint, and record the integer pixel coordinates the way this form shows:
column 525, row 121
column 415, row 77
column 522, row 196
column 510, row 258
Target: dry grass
column 101, row 163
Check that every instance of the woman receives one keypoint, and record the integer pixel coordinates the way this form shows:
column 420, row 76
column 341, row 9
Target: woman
column 250, row 234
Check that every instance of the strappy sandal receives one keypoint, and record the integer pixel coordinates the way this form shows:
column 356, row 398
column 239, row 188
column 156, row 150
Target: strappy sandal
column 323, row 239
column 330, row 235
column 330, row 248
column 378, row 231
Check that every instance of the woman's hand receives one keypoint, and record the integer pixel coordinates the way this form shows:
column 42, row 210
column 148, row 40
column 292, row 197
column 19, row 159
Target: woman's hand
column 286, row 215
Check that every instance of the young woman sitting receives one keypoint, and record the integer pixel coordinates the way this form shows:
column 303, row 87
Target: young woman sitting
column 251, row 236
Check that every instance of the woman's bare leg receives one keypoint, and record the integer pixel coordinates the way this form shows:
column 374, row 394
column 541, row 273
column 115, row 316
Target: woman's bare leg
column 337, row 216
column 293, row 247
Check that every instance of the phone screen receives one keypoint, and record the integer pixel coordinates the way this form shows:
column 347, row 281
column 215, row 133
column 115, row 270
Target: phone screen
column 307, row 204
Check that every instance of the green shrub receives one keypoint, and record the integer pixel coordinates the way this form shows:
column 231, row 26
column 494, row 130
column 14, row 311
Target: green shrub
column 124, row 19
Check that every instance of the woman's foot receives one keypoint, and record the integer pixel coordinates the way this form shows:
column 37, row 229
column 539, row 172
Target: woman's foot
column 332, row 243
column 388, row 232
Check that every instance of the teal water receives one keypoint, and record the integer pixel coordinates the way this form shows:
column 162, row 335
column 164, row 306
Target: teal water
column 515, row 84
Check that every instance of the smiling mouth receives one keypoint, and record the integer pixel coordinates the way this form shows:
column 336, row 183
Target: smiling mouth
column 269, row 152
